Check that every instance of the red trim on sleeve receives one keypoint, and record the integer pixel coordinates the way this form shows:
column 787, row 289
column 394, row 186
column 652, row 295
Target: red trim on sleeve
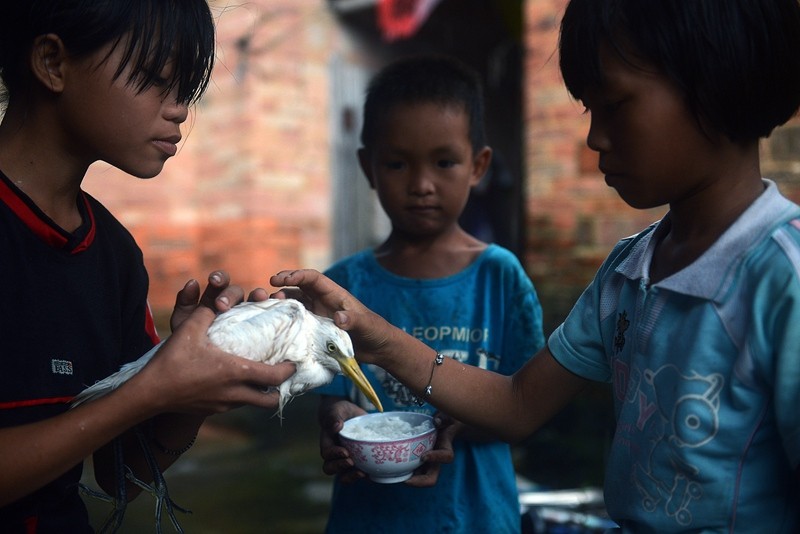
column 10, row 405
column 150, row 325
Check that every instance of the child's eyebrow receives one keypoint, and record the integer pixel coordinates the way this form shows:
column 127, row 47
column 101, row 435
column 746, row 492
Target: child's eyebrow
column 445, row 149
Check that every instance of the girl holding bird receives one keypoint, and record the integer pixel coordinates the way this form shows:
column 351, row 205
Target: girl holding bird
column 89, row 80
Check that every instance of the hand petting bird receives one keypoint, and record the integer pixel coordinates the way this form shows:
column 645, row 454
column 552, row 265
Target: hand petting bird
column 270, row 331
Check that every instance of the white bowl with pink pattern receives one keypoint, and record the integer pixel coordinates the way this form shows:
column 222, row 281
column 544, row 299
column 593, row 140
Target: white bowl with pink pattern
column 388, row 446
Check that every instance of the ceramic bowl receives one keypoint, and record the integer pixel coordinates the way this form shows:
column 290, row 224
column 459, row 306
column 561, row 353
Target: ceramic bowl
column 387, row 446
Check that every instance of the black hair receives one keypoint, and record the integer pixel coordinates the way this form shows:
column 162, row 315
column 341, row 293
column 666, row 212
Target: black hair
column 425, row 79
column 153, row 32
column 737, row 62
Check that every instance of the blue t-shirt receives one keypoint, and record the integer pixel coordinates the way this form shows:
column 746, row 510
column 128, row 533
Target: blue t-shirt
column 487, row 315
column 705, row 369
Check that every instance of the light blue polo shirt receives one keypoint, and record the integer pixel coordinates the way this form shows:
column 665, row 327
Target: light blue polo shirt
column 705, row 369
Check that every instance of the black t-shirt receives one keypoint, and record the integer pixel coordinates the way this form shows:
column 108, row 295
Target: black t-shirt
column 73, row 308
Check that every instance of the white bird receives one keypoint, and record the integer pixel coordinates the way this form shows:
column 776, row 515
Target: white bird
column 270, row 331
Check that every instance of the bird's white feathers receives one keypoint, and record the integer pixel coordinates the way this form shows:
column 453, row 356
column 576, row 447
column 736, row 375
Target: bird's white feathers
column 269, row 331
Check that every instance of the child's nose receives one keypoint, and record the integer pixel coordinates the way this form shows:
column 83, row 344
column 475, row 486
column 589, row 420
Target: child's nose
column 176, row 112
column 421, row 182
column 597, row 139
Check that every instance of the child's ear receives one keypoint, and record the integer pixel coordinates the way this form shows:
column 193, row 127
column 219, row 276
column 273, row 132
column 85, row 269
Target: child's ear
column 365, row 161
column 480, row 164
column 47, row 57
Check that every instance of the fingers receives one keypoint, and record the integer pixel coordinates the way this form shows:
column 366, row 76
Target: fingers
column 255, row 384
column 264, row 376
column 316, row 287
column 292, row 293
column 257, row 295
column 252, row 396
column 219, row 295
column 447, row 429
column 335, row 458
column 427, row 474
column 333, row 412
column 348, row 477
column 439, row 456
column 295, row 277
column 188, row 295
column 185, row 303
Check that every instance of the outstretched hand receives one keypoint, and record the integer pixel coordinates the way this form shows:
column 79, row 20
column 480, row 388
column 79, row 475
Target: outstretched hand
column 369, row 331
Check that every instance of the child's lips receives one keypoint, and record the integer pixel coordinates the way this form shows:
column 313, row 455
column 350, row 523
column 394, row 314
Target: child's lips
column 424, row 212
column 169, row 145
column 423, row 208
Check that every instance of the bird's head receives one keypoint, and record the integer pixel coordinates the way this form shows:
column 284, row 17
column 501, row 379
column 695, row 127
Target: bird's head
column 338, row 348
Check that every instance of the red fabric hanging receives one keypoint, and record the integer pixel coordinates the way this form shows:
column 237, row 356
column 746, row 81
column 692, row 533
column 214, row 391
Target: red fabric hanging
column 400, row 19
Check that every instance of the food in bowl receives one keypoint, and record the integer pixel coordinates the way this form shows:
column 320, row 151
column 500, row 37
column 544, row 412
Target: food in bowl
column 388, row 446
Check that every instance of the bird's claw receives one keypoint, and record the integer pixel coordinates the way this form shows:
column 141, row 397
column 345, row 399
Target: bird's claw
column 158, row 489
column 114, row 520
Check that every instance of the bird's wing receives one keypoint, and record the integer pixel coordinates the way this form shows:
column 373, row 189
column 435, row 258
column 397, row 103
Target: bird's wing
column 269, row 331
column 112, row 382
column 245, row 311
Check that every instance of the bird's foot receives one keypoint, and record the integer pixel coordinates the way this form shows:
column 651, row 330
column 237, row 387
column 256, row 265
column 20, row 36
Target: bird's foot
column 114, row 520
column 158, row 489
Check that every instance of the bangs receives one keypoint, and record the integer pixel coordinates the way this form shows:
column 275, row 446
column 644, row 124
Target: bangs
column 161, row 32
column 435, row 79
column 583, row 28
column 587, row 26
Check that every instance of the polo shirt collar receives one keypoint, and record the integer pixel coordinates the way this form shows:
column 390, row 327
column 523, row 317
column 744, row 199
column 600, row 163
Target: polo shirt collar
column 710, row 276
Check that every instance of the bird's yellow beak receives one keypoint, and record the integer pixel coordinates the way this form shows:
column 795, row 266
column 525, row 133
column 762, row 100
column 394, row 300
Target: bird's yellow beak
column 352, row 371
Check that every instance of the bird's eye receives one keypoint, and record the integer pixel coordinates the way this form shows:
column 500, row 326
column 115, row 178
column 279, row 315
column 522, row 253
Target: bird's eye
column 331, row 346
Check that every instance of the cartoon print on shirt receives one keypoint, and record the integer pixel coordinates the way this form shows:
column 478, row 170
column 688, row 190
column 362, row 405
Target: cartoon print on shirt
column 690, row 419
column 619, row 337
column 400, row 394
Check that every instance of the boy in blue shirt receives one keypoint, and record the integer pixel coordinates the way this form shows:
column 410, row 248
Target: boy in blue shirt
column 423, row 150
column 693, row 321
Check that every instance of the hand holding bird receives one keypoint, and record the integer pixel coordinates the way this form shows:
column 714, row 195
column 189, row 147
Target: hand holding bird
column 270, row 331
